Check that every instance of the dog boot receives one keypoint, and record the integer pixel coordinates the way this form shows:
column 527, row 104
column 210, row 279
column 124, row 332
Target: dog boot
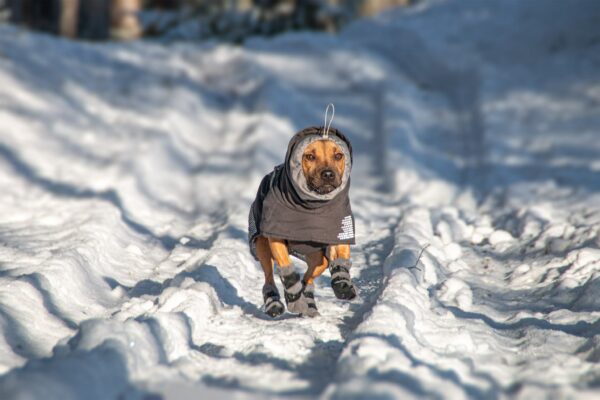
column 295, row 299
column 309, row 293
column 273, row 305
column 340, row 279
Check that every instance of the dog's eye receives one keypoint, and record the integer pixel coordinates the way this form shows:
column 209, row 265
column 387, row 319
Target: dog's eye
column 310, row 157
column 338, row 156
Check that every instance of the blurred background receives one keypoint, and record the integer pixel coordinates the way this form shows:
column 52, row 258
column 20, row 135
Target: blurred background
column 133, row 137
column 231, row 20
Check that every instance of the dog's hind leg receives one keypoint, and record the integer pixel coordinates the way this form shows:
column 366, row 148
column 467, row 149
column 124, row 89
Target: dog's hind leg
column 339, row 267
column 296, row 301
column 273, row 305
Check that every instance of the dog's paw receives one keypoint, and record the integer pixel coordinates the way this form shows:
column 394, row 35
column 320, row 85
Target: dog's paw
column 344, row 291
column 274, row 308
column 309, row 295
column 273, row 305
column 296, row 297
column 341, row 283
column 304, row 306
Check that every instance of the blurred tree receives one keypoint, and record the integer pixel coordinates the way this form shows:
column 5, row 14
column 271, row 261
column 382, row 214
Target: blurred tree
column 4, row 11
column 276, row 16
column 235, row 20
column 163, row 4
column 87, row 19
column 124, row 23
column 232, row 20
column 372, row 7
column 36, row 14
column 69, row 18
column 94, row 19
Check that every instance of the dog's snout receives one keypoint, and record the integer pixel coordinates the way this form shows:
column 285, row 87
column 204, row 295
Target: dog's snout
column 327, row 175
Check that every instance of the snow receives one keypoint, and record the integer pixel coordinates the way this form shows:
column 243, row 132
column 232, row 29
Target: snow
column 127, row 171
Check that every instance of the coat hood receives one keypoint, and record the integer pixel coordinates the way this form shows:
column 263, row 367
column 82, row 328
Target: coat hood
column 293, row 162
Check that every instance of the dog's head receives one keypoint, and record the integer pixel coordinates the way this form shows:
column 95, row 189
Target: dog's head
column 323, row 164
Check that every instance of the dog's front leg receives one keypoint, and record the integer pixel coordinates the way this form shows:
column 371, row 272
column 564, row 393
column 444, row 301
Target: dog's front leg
column 317, row 264
column 339, row 267
column 293, row 286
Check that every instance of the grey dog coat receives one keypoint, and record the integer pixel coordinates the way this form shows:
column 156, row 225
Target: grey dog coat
column 285, row 208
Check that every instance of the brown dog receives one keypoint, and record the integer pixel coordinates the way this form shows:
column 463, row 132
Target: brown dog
column 323, row 166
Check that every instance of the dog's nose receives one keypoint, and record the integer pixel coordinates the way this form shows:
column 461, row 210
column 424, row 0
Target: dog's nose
column 327, row 175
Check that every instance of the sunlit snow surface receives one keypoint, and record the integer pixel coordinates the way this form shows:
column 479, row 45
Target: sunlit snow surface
column 127, row 171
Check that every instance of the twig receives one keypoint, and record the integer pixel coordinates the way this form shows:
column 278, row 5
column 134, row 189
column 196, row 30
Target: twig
column 419, row 258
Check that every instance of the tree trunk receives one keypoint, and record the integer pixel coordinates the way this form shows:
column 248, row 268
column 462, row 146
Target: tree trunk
column 68, row 23
column 124, row 19
column 43, row 15
column 374, row 7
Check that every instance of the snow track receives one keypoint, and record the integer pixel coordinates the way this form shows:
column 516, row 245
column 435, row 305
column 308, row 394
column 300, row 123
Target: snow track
column 127, row 173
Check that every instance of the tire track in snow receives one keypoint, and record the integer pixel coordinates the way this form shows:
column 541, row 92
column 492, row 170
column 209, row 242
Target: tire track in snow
column 372, row 254
column 322, row 363
column 319, row 367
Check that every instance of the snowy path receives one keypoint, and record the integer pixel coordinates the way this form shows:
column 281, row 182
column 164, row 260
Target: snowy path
column 124, row 268
column 195, row 303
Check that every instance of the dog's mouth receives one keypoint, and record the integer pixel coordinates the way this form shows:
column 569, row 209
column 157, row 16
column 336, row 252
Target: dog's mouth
column 325, row 188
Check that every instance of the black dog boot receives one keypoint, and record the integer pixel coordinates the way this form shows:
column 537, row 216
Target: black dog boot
column 273, row 305
column 309, row 294
column 295, row 299
column 340, row 279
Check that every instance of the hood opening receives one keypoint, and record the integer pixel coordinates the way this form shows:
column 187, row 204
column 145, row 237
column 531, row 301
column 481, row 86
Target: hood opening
column 293, row 162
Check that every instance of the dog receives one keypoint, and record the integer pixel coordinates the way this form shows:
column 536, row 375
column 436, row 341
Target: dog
column 302, row 208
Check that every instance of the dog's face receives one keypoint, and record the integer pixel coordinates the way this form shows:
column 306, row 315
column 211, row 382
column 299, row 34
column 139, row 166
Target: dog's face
column 323, row 163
